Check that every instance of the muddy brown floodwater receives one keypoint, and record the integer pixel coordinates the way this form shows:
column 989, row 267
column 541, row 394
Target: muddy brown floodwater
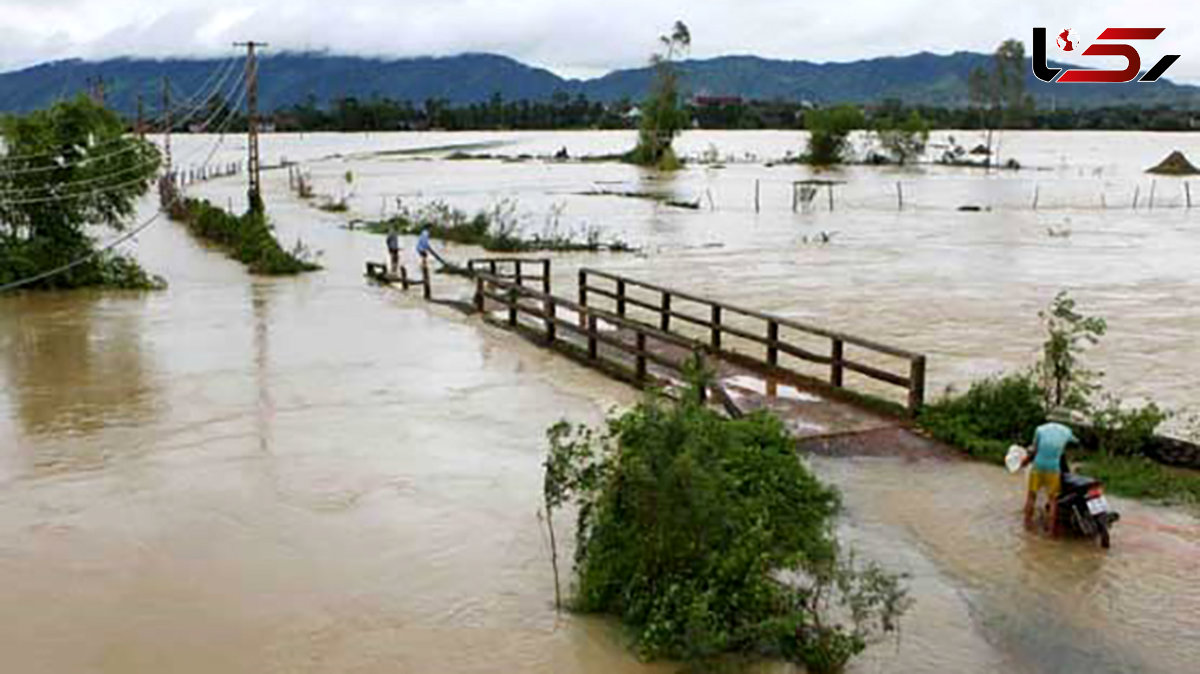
column 318, row 475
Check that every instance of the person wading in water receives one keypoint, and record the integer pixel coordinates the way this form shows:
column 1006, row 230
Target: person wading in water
column 1050, row 440
column 393, row 246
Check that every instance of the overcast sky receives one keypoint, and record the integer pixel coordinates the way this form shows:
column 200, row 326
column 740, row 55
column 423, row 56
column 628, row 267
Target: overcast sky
column 576, row 38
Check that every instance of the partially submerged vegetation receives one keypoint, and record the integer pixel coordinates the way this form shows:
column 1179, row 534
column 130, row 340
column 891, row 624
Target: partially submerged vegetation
column 246, row 238
column 61, row 170
column 707, row 537
column 661, row 115
column 498, row 229
column 1006, row 409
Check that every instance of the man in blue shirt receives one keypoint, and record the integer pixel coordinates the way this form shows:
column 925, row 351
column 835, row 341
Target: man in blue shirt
column 1049, row 442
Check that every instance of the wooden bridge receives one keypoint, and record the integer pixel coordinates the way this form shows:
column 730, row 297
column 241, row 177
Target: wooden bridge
column 651, row 335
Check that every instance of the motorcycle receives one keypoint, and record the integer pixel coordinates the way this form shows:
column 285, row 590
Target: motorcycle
column 1082, row 508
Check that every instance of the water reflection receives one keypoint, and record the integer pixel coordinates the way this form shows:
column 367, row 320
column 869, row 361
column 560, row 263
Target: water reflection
column 75, row 364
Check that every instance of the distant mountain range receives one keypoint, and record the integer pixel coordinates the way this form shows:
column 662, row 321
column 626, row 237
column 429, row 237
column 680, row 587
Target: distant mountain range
column 290, row 78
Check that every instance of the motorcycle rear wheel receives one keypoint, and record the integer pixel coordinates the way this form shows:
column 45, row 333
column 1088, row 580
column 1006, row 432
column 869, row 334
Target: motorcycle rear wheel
column 1102, row 532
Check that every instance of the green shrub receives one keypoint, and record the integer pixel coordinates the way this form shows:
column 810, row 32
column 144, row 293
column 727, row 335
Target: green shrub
column 993, row 414
column 246, row 238
column 1122, row 431
column 829, row 134
column 686, row 520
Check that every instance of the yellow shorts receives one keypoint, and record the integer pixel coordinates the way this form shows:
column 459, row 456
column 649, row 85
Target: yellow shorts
column 1051, row 481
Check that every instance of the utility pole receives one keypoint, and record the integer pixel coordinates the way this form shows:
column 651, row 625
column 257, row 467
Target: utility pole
column 254, row 193
column 166, row 104
column 138, row 127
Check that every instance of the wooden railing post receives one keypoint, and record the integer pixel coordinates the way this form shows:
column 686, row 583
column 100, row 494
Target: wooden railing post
column 916, row 385
column 836, row 368
column 403, row 277
column 665, row 321
column 492, row 267
column 591, row 335
column 621, row 298
column 425, row 278
column 546, row 276
column 551, row 326
column 583, row 288
column 479, row 294
column 772, row 343
column 716, row 326
column 641, row 355
column 517, row 272
column 513, row 298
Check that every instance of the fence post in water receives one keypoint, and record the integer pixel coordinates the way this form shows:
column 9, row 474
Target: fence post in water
column 772, row 342
column 795, row 198
column 916, row 385
column 1036, row 190
column 899, row 196
column 428, row 291
column 546, row 276
column 621, row 298
column 1187, row 193
column 665, row 320
column 716, row 326
column 755, row 195
column 591, row 335
column 1152, row 184
column 836, row 367
column 830, row 197
column 641, row 355
column 1136, row 190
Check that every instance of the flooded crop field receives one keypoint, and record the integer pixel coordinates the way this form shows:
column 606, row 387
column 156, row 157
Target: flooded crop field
column 317, row 474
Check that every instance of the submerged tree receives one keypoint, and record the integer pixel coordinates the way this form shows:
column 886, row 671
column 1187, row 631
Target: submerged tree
column 662, row 113
column 707, row 535
column 903, row 141
column 1001, row 89
column 63, row 170
column 829, row 133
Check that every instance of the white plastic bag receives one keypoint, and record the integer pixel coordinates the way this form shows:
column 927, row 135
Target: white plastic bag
column 1015, row 457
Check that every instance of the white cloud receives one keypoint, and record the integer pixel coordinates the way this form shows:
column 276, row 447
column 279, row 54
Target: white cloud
column 569, row 36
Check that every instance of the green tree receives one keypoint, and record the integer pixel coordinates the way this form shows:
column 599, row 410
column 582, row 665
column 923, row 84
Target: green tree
column 64, row 169
column 687, row 524
column 903, row 141
column 662, row 115
column 1066, row 383
column 829, row 133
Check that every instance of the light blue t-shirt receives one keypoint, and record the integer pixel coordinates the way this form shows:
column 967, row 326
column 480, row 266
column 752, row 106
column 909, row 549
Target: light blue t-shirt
column 1050, row 440
column 423, row 241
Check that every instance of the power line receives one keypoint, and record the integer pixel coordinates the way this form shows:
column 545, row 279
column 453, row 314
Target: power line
column 228, row 68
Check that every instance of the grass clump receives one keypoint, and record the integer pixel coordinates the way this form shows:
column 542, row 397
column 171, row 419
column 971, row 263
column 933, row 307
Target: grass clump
column 993, row 414
column 707, row 537
column 1140, row 477
column 497, row 229
column 246, row 238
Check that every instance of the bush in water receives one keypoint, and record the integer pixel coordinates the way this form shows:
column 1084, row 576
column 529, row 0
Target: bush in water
column 706, row 536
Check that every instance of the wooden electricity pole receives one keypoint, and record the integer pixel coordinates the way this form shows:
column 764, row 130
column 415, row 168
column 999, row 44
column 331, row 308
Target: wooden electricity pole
column 166, row 114
column 254, row 193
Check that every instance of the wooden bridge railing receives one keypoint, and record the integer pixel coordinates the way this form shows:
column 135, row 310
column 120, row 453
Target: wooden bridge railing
column 514, row 268
column 546, row 311
column 765, row 330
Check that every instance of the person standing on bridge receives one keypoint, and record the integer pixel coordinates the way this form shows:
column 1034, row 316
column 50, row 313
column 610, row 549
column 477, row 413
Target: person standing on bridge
column 1050, row 440
column 393, row 246
column 424, row 249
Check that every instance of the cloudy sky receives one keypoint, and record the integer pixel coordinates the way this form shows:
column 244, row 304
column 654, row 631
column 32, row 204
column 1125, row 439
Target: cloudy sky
column 572, row 37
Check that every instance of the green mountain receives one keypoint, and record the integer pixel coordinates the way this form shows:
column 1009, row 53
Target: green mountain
column 290, row 78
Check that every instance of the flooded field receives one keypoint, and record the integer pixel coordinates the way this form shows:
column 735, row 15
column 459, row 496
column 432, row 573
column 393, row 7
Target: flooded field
column 318, row 475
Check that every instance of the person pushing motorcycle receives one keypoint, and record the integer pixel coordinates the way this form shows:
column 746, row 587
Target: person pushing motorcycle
column 1050, row 440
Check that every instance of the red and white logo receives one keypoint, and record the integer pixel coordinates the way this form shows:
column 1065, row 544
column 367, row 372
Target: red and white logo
column 1102, row 47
